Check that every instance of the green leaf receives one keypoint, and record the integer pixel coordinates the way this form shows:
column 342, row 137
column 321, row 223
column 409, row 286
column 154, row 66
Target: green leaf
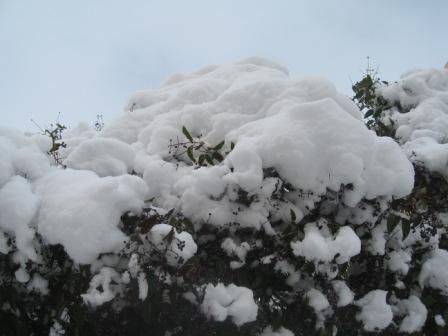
column 232, row 145
column 187, row 134
column 405, row 228
column 309, row 268
column 201, row 159
column 209, row 159
column 173, row 221
column 445, row 314
column 382, row 126
column 219, row 146
column 429, row 300
column 218, row 157
column 170, row 236
column 293, row 215
column 169, row 213
column 392, row 222
column 344, row 270
column 369, row 113
column 190, row 153
column 188, row 225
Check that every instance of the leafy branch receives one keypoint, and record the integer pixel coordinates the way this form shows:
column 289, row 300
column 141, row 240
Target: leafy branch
column 198, row 151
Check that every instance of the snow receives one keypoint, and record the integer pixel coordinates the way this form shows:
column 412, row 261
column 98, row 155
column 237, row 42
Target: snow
column 275, row 122
column 320, row 245
column 56, row 329
column 4, row 246
column 317, row 300
column 22, row 155
column 232, row 249
column 269, row 331
column 133, row 265
column 73, row 137
column 415, row 312
column 106, row 157
column 311, row 136
column 423, row 131
column 237, row 303
column 38, row 284
column 22, row 275
column 310, row 161
column 103, row 287
column 287, row 269
column 178, row 247
column 81, row 211
column 439, row 320
column 375, row 313
column 434, row 273
column 345, row 295
column 398, row 261
column 142, row 286
column 18, row 206
column 377, row 245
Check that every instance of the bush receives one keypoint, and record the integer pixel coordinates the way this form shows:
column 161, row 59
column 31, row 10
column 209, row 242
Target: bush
column 283, row 221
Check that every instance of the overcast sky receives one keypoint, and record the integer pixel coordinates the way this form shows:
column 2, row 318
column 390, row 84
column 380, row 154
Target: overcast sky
column 84, row 58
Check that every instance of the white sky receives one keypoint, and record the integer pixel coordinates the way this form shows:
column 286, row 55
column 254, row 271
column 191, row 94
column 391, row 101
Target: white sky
column 84, row 58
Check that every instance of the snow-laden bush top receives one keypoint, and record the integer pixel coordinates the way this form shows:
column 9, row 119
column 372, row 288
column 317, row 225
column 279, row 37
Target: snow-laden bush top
column 260, row 200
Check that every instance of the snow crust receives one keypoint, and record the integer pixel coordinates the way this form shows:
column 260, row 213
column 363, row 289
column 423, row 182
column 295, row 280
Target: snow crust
column 237, row 303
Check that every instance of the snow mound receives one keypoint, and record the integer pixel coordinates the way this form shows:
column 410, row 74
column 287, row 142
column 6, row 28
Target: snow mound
column 415, row 312
column 345, row 295
column 22, row 155
column 18, row 205
column 221, row 302
column 320, row 245
column 423, row 131
column 317, row 300
column 106, row 157
column 81, row 211
column 311, row 135
column 434, row 273
column 310, row 146
column 375, row 313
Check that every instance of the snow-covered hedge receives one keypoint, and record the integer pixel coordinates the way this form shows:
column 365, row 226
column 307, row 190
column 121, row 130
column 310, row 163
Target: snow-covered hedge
column 233, row 200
